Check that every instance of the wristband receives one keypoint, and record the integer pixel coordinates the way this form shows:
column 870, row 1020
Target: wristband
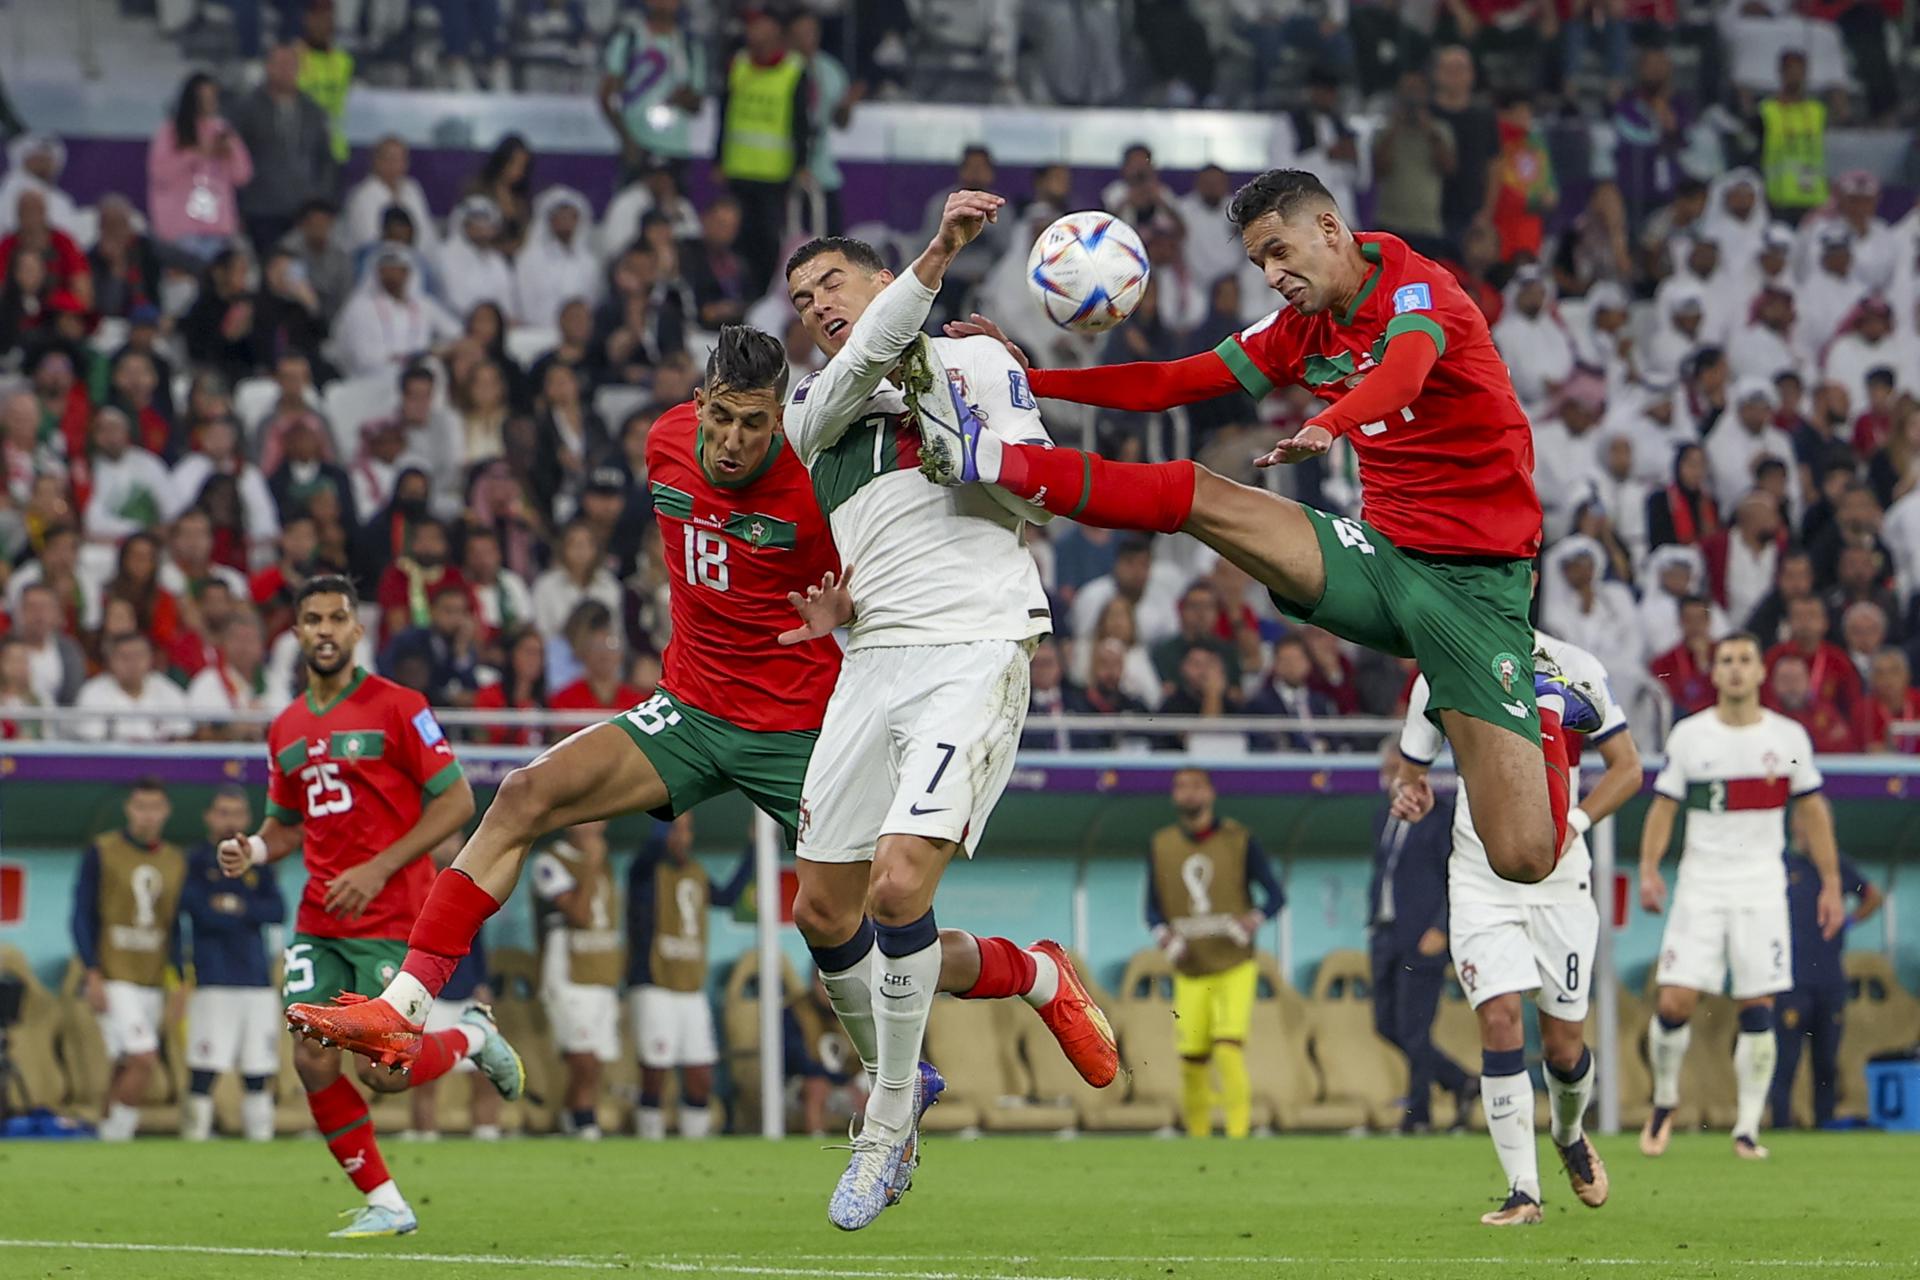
column 256, row 851
column 1580, row 820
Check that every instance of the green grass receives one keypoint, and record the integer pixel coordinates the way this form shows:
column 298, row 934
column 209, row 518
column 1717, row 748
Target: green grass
column 1095, row 1209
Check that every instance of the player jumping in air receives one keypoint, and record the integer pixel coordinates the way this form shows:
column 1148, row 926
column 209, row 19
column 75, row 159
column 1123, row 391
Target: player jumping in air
column 1735, row 767
column 920, row 736
column 361, row 778
column 739, row 708
column 1439, row 566
column 1508, row 939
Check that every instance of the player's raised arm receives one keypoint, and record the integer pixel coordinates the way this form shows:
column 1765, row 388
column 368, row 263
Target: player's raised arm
column 827, row 282
column 1146, row 386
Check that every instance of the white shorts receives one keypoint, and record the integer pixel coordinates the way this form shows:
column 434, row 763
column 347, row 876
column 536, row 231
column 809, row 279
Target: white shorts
column 1705, row 939
column 919, row 740
column 131, row 1023
column 585, row 1019
column 444, row 1015
column 673, row 1028
column 1546, row 948
column 234, row 1027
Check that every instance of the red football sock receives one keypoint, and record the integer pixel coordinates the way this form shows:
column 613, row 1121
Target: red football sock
column 1553, row 746
column 1156, row 496
column 1005, row 970
column 440, row 1052
column 340, row 1113
column 455, row 909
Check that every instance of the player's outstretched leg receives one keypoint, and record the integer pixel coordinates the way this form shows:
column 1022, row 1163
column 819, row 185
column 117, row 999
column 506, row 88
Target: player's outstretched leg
column 341, row 1116
column 1045, row 977
column 1506, row 1095
column 1754, row 1056
column 593, row 774
column 1669, row 1033
column 1569, row 1090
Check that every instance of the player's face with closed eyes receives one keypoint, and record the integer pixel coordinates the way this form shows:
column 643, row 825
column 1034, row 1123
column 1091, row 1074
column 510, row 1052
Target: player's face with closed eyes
column 830, row 293
column 1298, row 256
column 736, row 429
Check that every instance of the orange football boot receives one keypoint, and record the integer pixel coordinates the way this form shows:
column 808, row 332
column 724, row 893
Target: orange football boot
column 369, row 1026
column 1084, row 1033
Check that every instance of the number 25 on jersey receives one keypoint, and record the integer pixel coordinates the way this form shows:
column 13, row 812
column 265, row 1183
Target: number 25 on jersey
column 327, row 792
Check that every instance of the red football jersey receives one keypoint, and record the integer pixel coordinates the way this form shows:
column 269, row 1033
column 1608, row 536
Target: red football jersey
column 1452, row 477
column 354, row 774
column 733, row 553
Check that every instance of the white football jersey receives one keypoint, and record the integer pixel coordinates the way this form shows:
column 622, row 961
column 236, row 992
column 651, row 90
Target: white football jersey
column 1735, row 783
column 1469, row 876
column 931, row 565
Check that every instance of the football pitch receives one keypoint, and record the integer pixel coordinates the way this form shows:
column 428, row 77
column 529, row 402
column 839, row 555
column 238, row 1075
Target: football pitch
column 997, row 1209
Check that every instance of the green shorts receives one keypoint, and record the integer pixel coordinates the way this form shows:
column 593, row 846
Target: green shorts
column 700, row 756
column 318, row 969
column 1464, row 621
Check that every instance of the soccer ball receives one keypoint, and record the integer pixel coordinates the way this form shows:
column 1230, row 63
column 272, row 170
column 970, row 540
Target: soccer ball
column 1088, row 271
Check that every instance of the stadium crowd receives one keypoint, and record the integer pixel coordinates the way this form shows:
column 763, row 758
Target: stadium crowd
column 248, row 371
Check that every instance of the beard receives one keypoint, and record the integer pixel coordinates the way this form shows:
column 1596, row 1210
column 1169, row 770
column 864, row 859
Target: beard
column 319, row 668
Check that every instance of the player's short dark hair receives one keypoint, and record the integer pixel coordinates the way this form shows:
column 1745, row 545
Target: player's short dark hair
column 858, row 252
column 745, row 359
column 326, row 584
column 147, row 782
column 1738, row 637
column 1282, row 192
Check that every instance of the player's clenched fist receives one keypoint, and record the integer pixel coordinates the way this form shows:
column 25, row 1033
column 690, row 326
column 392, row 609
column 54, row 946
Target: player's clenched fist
column 235, row 856
column 966, row 215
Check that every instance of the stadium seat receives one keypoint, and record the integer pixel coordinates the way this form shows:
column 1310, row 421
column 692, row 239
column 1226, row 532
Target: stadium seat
column 616, row 404
column 253, row 400
column 1147, row 1096
column 31, row 1043
column 1456, row 1033
column 1148, row 976
column 1345, row 974
column 740, row 1032
column 528, row 343
column 1882, row 1016
column 975, row 1045
column 1635, row 1084
column 1286, row 1081
column 352, row 401
column 1708, row 1086
column 84, row 1054
column 515, row 977
column 1357, row 1064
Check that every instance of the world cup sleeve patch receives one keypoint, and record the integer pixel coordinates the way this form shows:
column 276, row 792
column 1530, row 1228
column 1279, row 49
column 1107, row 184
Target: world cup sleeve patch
column 428, row 728
column 800, row 391
column 1412, row 297
column 1018, row 391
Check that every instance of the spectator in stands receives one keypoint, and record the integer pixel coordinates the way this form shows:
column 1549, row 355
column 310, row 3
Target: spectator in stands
column 131, row 684
column 25, row 294
column 1201, row 874
column 1864, row 345
column 1133, row 578
column 1413, row 155
column 506, row 178
column 1522, row 190
column 1576, row 599
column 196, row 163
column 1862, row 582
column 639, row 323
column 471, row 262
column 1104, row 692
column 619, row 518
column 1476, row 140
column 1832, row 679
column 123, row 261
column 1674, row 575
column 1768, row 343
column 327, row 265
column 77, row 590
column 557, row 263
column 288, row 137
column 1536, row 345
column 390, row 320
column 1200, row 627
column 325, row 71
column 449, row 644
column 578, row 574
column 1874, row 427
column 522, row 685
column 381, row 458
column 1138, row 194
column 1892, row 473
column 1746, row 437
column 1743, row 559
column 1287, row 691
column 388, row 183
column 305, row 471
column 501, row 597
column 235, row 681
column 1046, row 701
column 1827, row 295
column 1877, row 248
column 831, row 97
column 126, row 933
column 1686, row 670
column 1202, row 687
column 653, row 83
column 1856, row 523
column 583, row 662
column 34, row 163
column 723, row 282
column 134, row 386
column 1566, row 454
column 18, row 697
column 480, row 399
column 1791, row 691
column 287, row 319
column 1116, row 622
column 1793, row 580
column 189, row 564
column 1211, row 252
column 1889, row 697
column 1407, row 941
column 67, row 270
column 56, row 666
column 406, row 590
column 233, row 1016
column 1324, row 139
column 130, row 486
column 157, row 611
column 219, row 328
column 762, row 140
column 219, row 455
column 1864, row 633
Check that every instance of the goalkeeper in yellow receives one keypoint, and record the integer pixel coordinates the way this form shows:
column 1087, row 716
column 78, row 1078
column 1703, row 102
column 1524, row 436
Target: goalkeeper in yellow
column 1202, row 872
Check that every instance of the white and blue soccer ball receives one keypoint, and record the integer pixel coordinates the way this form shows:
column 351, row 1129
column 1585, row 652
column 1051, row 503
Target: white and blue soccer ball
column 1088, row 271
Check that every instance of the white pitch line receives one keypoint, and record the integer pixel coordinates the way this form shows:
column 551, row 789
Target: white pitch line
column 1304, row 1260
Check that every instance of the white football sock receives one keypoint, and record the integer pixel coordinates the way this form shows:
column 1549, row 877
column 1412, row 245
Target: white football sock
column 1666, row 1050
column 476, row 1036
column 851, row 994
column 651, row 1123
column 1754, row 1054
column 987, row 457
column 588, row 1133
column 1508, row 1103
column 906, row 985
column 387, row 1196
column 256, row 1115
column 486, row 1133
column 197, row 1123
column 121, row 1123
column 409, row 997
column 695, row 1122
column 1569, row 1099
column 1046, row 980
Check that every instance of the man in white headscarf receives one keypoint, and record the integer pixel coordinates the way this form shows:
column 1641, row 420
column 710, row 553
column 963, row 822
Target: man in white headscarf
column 557, row 263
column 34, row 163
column 1605, row 342
column 1830, row 292
column 1769, row 264
column 387, row 183
column 1737, row 216
column 1579, row 603
column 1768, row 343
column 390, row 320
column 1532, row 340
column 1853, row 208
column 1679, row 331
column 1565, row 454
column 1699, row 268
column 1674, row 572
column 1865, row 343
column 1742, row 438
column 473, row 268
column 1621, row 491
column 1649, row 416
